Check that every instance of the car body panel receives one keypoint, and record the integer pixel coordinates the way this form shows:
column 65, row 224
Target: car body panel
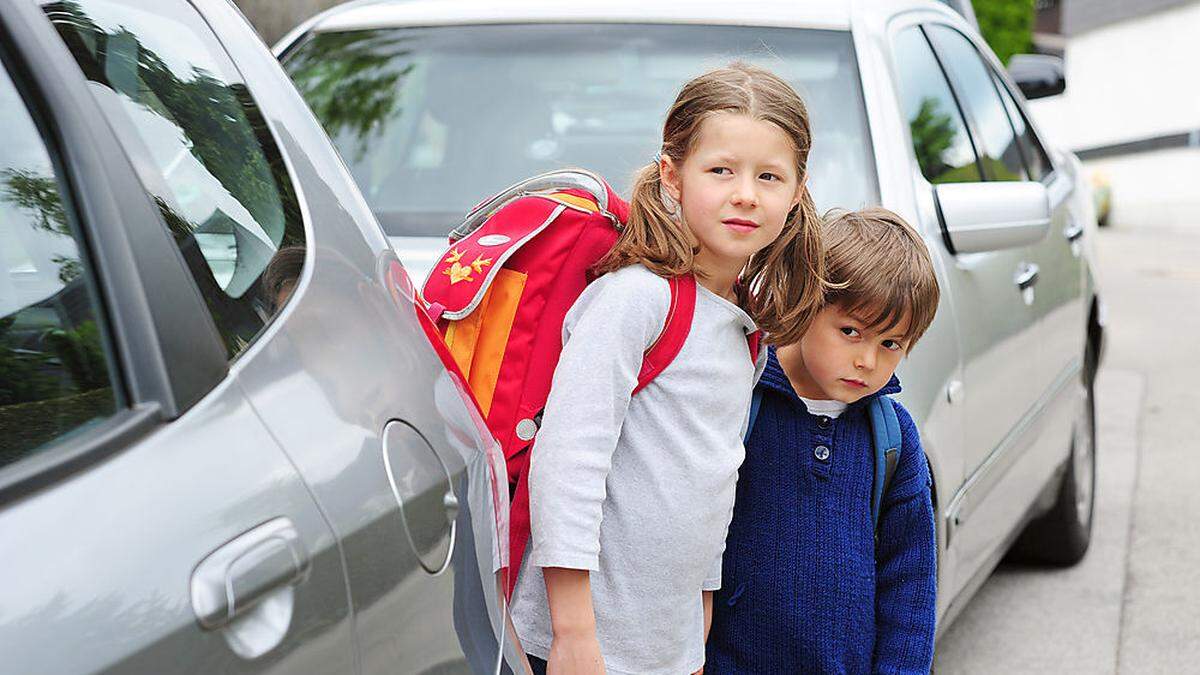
column 106, row 546
column 330, row 415
column 294, row 429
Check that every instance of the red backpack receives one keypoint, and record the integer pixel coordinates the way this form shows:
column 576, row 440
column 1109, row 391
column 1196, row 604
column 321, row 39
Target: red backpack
column 499, row 296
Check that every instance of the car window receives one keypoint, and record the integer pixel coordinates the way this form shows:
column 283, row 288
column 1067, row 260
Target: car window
column 174, row 98
column 1036, row 160
column 976, row 92
column 939, row 135
column 433, row 120
column 54, row 372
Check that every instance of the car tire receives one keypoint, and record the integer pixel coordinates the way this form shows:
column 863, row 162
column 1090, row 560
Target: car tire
column 1061, row 536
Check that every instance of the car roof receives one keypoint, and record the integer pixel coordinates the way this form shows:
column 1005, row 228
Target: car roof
column 831, row 14
column 826, row 14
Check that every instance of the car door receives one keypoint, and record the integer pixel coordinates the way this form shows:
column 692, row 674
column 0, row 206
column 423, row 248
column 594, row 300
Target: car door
column 997, row 327
column 1060, row 302
column 384, row 435
column 1055, row 289
column 149, row 521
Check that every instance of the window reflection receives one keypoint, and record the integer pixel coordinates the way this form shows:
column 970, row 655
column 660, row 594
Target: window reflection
column 169, row 90
column 977, row 93
column 54, row 374
column 939, row 135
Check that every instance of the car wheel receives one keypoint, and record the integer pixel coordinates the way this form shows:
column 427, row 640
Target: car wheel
column 1062, row 535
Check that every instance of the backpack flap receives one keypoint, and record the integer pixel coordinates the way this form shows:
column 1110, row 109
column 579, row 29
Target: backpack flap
column 467, row 269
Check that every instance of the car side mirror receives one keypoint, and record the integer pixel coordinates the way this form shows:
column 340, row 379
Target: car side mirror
column 1038, row 75
column 979, row 217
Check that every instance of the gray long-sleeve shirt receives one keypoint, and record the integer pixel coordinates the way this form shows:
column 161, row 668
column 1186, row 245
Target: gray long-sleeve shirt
column 638, row 490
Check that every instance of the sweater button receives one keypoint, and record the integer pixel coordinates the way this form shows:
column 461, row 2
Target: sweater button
column 824, row 422
column 821, row 452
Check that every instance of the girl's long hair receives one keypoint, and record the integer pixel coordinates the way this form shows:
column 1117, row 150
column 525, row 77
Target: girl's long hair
column 783, row 284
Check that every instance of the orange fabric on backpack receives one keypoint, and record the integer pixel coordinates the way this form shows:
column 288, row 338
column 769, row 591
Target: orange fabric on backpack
column 478, row 340
column 502, row 300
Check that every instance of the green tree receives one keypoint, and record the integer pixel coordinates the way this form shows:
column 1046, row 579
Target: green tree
column 932, row 135
column 352, row 80
column 39, row 194
column 36, row 193
column 1007, row 25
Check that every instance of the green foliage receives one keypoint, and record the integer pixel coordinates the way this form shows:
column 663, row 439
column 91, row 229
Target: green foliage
column 352, row 80
column 1007, row 25
column 81, row 355
column 932, row 135
column 32, row 365
column 51, row 382
column 19, row 375
column 39, row 194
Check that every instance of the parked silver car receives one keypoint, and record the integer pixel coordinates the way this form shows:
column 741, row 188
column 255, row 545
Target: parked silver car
column 227, row 444
column 435, row 104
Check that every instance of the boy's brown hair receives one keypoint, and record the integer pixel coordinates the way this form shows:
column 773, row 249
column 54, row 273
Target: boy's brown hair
column 879, row 271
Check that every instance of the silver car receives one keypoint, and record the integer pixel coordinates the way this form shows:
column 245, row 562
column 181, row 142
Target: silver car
column 227, row 444
column 435, row 104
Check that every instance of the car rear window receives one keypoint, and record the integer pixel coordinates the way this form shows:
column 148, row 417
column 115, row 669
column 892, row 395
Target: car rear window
column 432, row 120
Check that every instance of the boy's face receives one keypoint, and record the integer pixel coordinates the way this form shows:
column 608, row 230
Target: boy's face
column 844, row 359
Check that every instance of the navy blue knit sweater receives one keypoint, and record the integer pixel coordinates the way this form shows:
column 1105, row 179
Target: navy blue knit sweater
column 806, row 588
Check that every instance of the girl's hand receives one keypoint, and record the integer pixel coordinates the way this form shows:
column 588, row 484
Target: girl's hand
column 575, row 654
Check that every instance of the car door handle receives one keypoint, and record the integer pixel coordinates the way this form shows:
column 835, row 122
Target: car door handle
column 1027, row 277
column 1073, row 232
column 236, row 576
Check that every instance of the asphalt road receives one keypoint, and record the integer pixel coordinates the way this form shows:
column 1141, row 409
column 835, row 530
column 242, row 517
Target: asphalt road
column 1133, row 604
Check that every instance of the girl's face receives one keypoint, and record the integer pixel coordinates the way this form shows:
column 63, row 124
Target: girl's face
column 735, row 188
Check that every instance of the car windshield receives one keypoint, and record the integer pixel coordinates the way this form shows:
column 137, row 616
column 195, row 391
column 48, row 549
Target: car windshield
column 433, row 120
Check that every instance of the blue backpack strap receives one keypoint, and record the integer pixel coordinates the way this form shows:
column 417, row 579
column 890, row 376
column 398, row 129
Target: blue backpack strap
column 885, row 434
column 755, row 402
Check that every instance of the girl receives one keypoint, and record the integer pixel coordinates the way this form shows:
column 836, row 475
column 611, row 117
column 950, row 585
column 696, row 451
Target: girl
column 630, row 497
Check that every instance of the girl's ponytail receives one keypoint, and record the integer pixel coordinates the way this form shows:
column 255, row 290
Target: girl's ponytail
column 785, row 282
column 653, row 236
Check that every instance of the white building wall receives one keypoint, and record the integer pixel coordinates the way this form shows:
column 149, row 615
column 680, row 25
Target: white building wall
column 1128, row 81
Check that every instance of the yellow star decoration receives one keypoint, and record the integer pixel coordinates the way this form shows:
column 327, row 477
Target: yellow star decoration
column 460, row 272
column 480, row 263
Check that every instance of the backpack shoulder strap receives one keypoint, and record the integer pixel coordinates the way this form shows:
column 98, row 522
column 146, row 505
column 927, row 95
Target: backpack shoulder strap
column 675, row 332
column 755, row 403
column 679, row 323
column 885, row 436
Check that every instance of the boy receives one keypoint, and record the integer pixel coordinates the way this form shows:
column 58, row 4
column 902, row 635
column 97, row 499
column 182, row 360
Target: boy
column 809, row 584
